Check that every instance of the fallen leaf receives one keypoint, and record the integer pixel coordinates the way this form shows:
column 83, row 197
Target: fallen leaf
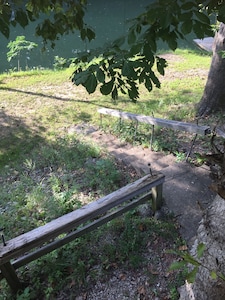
column 142, row 227
column 141, row 290
column 122, row 276
column 152, row 271
column 72, row 283
column 183, row 248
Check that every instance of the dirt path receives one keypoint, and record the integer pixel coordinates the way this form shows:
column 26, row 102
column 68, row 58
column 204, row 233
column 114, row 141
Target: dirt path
column 186, row 190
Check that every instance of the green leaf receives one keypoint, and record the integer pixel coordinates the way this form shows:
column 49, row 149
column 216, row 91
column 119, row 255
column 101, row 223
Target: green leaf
column 200, row 250
column 166, row 20
column 100, row 75
column 4, row 28
column 213, row 275
column 131, row 37
column 122, row 91
column 135, row 49
column 106, row 88
column 161, row 65
column 151, row 17
column 83, row 34
column 142, row 76
column 171, row 41
column 221, row 17
column 154, row 79
column 190, row 259
column 90, row 34
column 148, row 84
column 128, row 70
column 121, row 82
column 192, row 275
column 188, row 5
column 187, row 16
column 222, row 276
column 91, row 83
column 115, row 93
column 133, row 91
column 202, row 17
column 119, row 42
column 199, row 29
column 138, row 28
column 21, row 18
column 147, row 52
column 177, row 265
column 81, row 77
column 186, row 27
column 152, row 43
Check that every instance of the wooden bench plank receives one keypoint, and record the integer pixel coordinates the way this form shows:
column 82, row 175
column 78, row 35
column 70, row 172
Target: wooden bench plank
column 220, row 132
column 175, row 125
column 79, row 232
column 51, row 230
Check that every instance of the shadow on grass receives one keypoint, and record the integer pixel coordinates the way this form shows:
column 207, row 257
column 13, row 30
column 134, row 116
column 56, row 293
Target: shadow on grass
column 17, row 139
column 47, row 96
column 42, row 179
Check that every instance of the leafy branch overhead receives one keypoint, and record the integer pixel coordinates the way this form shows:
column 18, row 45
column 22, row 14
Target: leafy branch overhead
column 60, row 18
column 132, row 59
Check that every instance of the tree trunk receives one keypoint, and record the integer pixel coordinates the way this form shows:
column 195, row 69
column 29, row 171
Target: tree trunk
column 211, row 234
column 213, row 98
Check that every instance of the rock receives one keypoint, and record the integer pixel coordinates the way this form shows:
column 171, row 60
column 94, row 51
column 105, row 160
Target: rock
column 211, row 234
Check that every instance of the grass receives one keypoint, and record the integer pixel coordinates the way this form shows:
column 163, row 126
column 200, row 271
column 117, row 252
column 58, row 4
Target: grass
column 45, row 171
column 120, row 244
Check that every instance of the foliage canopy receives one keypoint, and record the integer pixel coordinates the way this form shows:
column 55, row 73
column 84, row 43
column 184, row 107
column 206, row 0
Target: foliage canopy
column 131, row 59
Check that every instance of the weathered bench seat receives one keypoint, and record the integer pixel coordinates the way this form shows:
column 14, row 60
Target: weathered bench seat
column 45, row 239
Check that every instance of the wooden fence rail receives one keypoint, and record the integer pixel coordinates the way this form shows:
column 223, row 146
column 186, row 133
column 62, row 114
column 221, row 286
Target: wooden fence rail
column 175, row 125
column 45, row 239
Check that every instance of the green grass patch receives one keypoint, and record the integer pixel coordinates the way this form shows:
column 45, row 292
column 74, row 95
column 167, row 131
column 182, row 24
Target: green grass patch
column 192, row 60
column 47, row 171
column 54, row 179
column 121, row 243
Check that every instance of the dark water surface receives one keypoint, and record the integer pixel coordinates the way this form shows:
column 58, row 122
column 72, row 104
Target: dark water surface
column 108, row 18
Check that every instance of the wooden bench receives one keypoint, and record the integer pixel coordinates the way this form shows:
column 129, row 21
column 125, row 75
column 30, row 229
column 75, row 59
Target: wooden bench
column 42, row 240
column 175, row 125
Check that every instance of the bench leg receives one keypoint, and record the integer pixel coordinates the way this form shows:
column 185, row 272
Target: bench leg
column 192, row 145
column 101, row 121
column 152, row 137
column 157, row 197
column 9, row 274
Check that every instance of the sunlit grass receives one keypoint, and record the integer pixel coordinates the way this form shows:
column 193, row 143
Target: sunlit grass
column 46, row 104
column 46, row 172
column 192, row 60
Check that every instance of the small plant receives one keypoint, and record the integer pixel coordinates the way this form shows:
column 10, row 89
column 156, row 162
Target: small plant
column 17, row 47
column 180, row 156
column 61, row 63
column 199, row 159
column 188, row 259
column 102, row 172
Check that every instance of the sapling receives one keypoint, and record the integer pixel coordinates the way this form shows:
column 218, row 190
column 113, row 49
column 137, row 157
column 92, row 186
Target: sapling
column 17, row 46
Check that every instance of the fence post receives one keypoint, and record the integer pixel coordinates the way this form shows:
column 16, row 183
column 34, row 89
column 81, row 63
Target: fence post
column 9, row 274
column 157, row 197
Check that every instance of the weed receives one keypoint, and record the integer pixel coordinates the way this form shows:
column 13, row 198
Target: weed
column 199, row 159
column 180, row 156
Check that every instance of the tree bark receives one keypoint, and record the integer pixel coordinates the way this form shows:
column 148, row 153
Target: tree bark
column 211, row 233
column 213, row 98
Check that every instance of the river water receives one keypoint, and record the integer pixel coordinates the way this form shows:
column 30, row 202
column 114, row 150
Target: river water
column 107, row 18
